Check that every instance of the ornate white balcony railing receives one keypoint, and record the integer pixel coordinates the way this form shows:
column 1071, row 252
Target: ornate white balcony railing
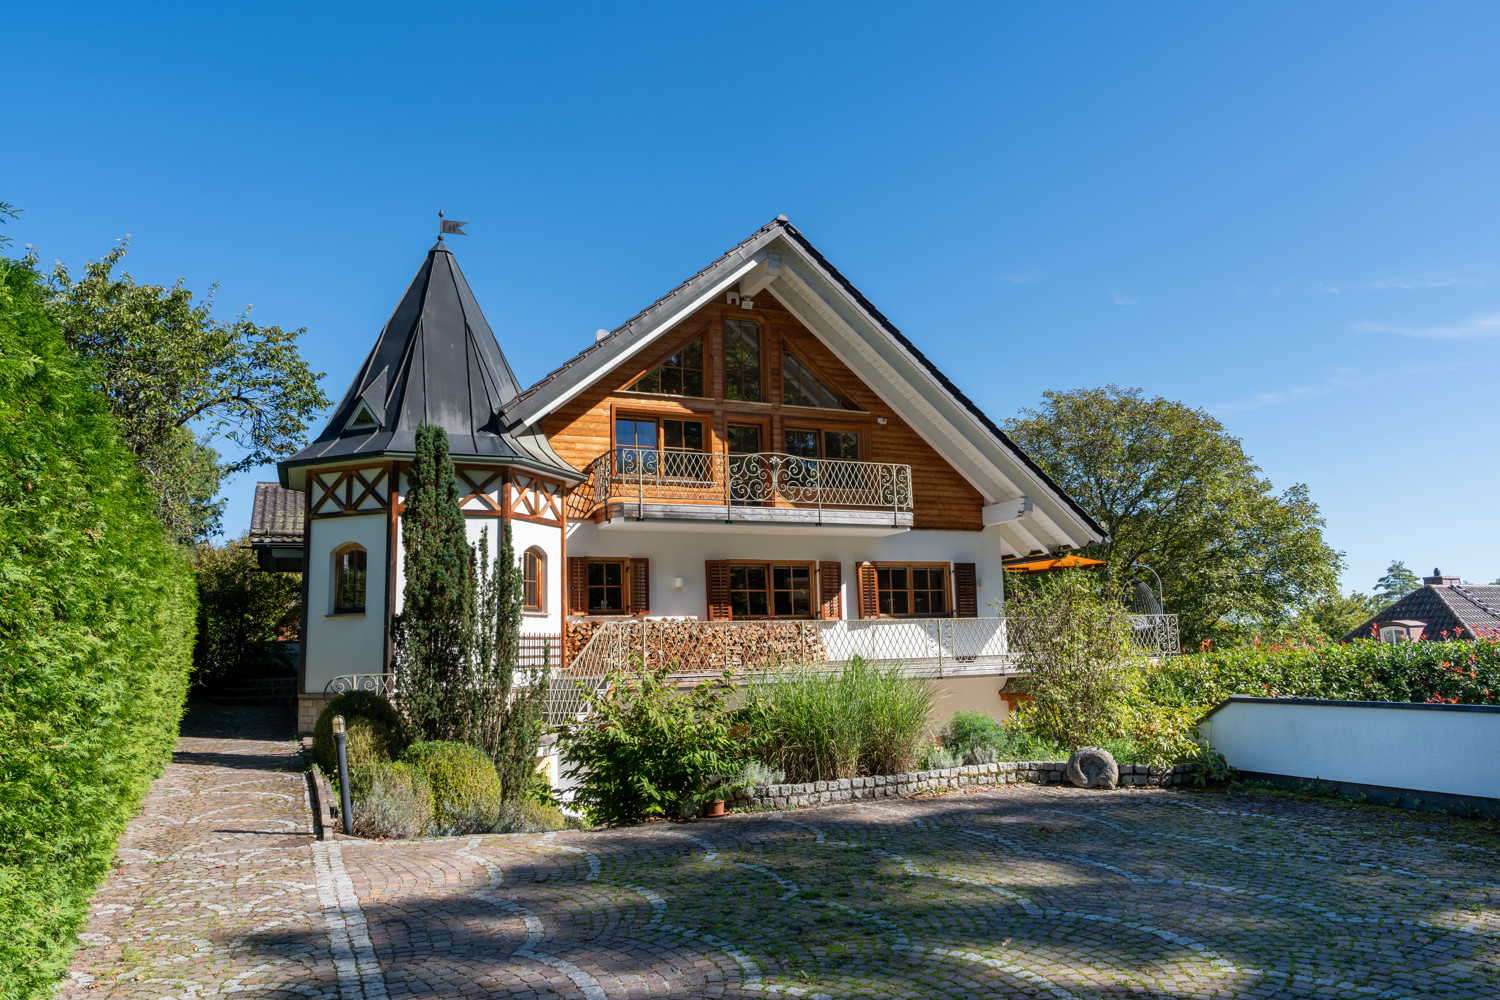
column 763, row 479
column 690, row 648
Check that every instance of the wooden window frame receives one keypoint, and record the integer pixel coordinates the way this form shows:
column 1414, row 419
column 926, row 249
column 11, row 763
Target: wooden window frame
column 635, row 586
column 540, row 583
column 770, row 565
column 705, row 371
column 791, row 426
column 701, row 418
column 947, row 569
column 338, row 555
column 844, row 404
column 761, row 333
column 624, row 563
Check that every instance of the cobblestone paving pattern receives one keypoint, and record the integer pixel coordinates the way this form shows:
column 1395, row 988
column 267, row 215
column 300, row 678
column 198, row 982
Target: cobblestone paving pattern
column 214, row 889
column 1026, row 891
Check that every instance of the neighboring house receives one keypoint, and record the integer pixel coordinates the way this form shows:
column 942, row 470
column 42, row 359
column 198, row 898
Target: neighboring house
column 1443, row 607
column 760, row 444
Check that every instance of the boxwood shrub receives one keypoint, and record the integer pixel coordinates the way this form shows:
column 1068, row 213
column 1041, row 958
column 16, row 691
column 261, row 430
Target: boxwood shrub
column 96, row 638
column 465, row 788
column 375, row 731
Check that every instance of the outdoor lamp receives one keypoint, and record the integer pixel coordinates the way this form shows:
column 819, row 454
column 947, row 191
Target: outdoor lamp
column 346, row 815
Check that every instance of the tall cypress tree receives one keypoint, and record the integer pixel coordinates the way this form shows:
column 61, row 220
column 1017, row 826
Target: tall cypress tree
column 438, row 601
column 506, row 720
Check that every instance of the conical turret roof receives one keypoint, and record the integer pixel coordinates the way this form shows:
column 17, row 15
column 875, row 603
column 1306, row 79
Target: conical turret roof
column 436, row 361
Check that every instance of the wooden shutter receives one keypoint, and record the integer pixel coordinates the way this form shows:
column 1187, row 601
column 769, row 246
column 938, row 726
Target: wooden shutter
column 830, row 581
column 869, row 598
column 578, row 585
column 965, row 592
column 640, row 586
column 716, row 574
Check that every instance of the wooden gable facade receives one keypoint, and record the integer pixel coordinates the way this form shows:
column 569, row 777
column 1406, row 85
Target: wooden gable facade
column 583, row 429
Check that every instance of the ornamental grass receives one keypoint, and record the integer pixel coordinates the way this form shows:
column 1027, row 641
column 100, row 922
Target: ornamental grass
column 821, row 725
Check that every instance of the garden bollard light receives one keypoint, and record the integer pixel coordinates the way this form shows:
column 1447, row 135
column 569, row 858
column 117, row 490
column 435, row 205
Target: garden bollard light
column 338, row 738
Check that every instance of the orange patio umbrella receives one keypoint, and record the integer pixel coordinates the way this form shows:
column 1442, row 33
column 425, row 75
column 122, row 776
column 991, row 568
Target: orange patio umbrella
column 1048, row 564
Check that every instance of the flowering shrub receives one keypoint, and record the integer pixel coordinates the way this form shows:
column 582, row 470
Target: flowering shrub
column 1444, row 670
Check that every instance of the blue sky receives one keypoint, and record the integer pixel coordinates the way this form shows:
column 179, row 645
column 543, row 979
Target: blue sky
column 1285, row 213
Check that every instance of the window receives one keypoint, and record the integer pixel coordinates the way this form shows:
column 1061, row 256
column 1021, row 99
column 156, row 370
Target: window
column 800, row 387
column 679, row 375
column 534, row 575
column 667, row 446
column 742, row 360
column 606, row 583
column 768, row 590
column 1393, row 634
column 349, row 580
column 842, row 445
column 912, row 590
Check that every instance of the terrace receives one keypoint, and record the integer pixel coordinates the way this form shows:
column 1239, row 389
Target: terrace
column 693, row 649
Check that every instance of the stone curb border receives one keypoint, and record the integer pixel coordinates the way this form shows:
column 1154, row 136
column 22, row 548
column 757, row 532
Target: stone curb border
column 890, row 786
column 322, row 797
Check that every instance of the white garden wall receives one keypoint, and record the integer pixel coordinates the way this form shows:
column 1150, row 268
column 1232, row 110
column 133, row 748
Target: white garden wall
column 1441, row 749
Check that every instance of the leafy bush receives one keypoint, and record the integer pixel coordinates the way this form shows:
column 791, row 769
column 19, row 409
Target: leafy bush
column 533, row 817
column 96, row 614
column 821, row 725
column 1074, row 642
column 937, row 758
column 650, row 749
column 970, row 731
column 242, row 612
column 1440, row 670
column 390, row 799
column 375, row 732
column 465, row 788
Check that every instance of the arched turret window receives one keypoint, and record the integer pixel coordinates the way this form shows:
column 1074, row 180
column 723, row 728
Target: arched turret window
column 349, row 580
column 534, row 572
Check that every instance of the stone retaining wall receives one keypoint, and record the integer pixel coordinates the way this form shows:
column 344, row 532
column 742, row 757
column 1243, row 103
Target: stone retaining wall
column 888, row 786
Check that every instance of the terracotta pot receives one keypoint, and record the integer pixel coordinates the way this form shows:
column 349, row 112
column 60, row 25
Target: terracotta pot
column 713, row 809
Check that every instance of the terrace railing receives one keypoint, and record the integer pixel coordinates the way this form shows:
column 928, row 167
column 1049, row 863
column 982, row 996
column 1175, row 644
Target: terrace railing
column 762, row 479
column 691, row 649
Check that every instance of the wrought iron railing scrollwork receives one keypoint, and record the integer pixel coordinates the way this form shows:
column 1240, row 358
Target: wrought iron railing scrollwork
column 650, row 475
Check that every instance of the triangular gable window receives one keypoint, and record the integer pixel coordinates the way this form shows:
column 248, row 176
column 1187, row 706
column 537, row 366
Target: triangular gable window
column 800, row 387
column 363, row 419
column 679, row 375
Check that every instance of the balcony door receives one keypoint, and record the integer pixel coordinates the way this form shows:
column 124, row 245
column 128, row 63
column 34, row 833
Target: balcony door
column 749, row 478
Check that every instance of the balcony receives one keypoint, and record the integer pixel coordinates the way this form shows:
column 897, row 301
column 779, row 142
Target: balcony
column 646, row 484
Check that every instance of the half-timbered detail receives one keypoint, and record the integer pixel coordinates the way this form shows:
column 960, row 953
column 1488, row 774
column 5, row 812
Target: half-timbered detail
column 349, row 491
column 757, row 468
column 536, row 499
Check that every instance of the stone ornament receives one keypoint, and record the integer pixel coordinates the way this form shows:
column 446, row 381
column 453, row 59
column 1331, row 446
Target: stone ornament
column 1091, row 767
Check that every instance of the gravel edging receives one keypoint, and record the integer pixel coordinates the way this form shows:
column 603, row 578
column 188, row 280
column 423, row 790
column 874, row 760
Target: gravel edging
column 890, row 786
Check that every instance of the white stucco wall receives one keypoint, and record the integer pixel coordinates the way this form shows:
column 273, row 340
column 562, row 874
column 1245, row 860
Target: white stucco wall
column 524, row 534
column 344, row 644
column 680, row 553
column 1452, row 749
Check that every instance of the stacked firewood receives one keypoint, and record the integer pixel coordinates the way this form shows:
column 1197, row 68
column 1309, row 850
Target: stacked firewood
column 697, row 647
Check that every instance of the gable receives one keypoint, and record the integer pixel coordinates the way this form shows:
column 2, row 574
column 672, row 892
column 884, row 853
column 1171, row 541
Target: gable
column 778, row 263
column 582, row 430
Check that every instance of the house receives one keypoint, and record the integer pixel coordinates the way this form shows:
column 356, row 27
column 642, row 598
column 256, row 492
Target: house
column 1443, row 607
column 760, row 445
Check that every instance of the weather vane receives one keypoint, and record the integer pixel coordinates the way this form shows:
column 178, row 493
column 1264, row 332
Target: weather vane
column 449, row 226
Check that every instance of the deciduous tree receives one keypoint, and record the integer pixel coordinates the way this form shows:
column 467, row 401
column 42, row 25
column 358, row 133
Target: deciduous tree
column 1177, row 492
column 178, row 380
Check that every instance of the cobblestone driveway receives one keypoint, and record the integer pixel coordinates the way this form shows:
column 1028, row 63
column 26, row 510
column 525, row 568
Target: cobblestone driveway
column 1027, row 891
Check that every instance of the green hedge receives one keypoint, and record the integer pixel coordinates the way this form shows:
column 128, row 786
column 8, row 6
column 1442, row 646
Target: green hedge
column 1445, row 670
column 96, row 638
